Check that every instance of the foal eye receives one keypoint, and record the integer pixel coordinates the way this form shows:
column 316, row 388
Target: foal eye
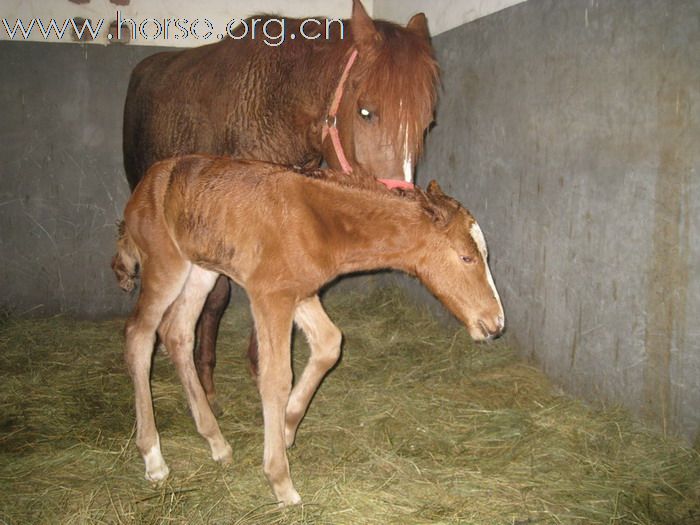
column 466, row 259
column 365, row 113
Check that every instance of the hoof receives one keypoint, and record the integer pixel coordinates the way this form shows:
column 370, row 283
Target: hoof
column 156, row 468
column 225, row 456
column 156, row 475
column 292, row 498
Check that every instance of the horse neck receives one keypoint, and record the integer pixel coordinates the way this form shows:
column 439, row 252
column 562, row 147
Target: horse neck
column 365, row 230
column 325, row 66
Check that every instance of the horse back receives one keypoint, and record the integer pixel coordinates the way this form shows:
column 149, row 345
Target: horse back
column 235, row 97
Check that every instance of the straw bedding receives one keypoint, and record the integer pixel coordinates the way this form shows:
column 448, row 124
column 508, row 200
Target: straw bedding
column 415, row 425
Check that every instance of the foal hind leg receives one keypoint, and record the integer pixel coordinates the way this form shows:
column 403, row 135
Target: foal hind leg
column 324, row 339
column 158, row 291
column 177, row 331
column 207, row 332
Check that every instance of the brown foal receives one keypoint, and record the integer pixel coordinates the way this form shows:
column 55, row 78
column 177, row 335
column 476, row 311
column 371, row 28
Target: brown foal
column 281, row 235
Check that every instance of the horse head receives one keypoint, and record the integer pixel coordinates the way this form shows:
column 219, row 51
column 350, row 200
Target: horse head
column 455, row 267
column 386, row 102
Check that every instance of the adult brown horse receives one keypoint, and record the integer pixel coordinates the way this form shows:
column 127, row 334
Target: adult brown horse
column 360, row 96
column 272, row 231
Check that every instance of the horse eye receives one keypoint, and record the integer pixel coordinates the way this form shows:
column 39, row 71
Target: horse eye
column 466, row 259
column 365, row 113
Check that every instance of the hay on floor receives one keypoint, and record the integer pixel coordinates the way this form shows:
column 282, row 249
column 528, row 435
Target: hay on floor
column 415, row 425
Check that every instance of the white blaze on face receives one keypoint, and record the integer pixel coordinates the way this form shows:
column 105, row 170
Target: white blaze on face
column 407, row 161
column 480, row 241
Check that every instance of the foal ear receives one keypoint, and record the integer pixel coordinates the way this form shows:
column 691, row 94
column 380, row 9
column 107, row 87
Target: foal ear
column 363, row 30
column 435, row 189
column 434, row 207
column 419, row 25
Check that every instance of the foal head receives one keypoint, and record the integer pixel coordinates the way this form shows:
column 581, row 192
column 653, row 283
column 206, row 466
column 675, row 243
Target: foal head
column 455, row 267
column 389, row 97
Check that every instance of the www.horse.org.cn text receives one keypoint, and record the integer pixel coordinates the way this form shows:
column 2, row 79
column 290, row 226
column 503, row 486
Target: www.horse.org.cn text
column 272, row 31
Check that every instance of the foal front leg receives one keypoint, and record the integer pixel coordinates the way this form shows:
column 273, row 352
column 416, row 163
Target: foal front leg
column 324, row 340
column 273, row 322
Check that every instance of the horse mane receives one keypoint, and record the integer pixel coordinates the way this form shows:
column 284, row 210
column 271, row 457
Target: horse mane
column 401, row 70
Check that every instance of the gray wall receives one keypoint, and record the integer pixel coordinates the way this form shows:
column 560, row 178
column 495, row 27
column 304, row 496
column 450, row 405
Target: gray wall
column 62, row 184
column 572, row 130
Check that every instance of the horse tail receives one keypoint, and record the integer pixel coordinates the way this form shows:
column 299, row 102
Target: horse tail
column 125, row 264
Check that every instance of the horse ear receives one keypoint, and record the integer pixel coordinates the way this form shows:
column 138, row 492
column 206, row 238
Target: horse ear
column 363, row 30
column 419, row 25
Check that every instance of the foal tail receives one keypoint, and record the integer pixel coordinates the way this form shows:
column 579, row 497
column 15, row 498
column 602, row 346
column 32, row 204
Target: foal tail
column 125, row 263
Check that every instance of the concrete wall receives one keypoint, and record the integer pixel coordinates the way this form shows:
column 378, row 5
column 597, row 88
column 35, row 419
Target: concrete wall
column 62, row 184
column 442, row 14
column 572, row 131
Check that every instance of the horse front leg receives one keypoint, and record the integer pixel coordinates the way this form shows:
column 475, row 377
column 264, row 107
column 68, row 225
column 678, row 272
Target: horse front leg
column 273, row 323
column 324, row 340
column 207, row 332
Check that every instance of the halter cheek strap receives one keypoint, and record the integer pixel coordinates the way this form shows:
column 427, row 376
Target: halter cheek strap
column 330, row 124
column 330, row 127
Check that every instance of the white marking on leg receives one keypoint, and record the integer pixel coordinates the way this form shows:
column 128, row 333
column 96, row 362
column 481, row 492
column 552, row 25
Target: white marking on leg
column 156, row 469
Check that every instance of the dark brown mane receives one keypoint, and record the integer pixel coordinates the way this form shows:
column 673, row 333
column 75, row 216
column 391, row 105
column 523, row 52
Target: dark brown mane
column 403, row 74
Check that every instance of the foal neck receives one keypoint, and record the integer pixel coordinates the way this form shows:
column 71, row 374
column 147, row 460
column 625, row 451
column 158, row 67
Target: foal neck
column 370, row 229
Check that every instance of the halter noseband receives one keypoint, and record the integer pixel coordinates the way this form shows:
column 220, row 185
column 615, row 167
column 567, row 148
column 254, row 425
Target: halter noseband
column 330, row 127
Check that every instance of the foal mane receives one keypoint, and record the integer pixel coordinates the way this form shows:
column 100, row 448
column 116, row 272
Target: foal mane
column 401, row 72
column 440, row 207
column 355, row 179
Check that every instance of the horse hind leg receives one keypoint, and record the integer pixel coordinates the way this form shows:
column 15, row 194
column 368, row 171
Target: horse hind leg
column 157, row 294
column 252, row 354
column 177, row 332
column 207, row 332
column 324, row 339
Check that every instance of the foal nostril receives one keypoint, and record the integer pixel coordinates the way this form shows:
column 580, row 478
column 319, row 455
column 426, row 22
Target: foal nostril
column 484, row 330
column 492, row 333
